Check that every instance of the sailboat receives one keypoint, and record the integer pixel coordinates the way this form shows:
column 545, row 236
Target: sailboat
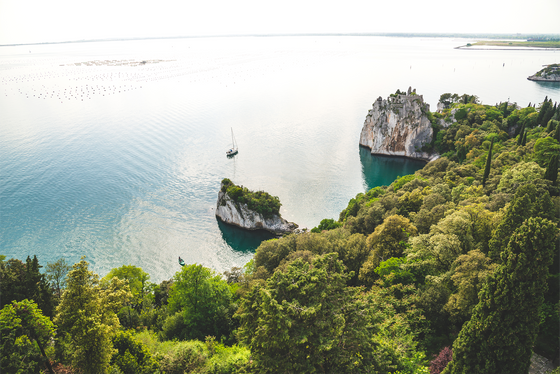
column 233, row 150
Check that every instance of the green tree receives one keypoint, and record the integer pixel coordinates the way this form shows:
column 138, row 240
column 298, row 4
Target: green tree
column 551, row 126
column 87, row 319
column 502, row 330
column 521, row 133
column 488, row 163
column 527, row 202
column 469, row 274
column 132, row 356
column 204, row 301
column 546, row 106
column 390, row 239
column 56, row 275
column 306, row 320
column 137, row 280
column 25, row 333
column 19, row 281
column 551, row 172
column 544, row 149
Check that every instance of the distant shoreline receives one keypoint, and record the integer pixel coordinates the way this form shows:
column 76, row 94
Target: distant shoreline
column 402, row 35
column 464, row 47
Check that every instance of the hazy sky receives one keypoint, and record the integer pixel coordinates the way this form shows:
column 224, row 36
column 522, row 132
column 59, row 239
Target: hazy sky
column 28, row 21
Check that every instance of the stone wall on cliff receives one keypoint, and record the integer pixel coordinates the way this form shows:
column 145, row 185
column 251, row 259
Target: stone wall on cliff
column 239, row 214
column 398, row 126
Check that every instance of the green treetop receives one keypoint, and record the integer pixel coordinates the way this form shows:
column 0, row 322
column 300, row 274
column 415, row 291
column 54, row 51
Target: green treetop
column 87, row 317
column 501, row 333
column 259, row 201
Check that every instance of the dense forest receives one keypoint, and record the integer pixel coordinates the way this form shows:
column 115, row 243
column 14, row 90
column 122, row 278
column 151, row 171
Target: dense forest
column 453, row 269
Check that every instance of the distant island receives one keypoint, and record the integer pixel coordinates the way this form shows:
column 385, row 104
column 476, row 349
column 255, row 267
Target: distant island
column 529, row 43
column 551, row 73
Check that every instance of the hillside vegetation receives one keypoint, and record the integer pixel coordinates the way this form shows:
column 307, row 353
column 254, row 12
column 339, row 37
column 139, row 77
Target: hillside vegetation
column 453, row 269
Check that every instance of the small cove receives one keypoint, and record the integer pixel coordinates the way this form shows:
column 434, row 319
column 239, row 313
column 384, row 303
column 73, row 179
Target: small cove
column 123, row 163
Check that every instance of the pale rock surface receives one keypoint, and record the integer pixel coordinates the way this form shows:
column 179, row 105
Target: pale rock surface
column 549, row 74
column 240, row 215
column 398, row 126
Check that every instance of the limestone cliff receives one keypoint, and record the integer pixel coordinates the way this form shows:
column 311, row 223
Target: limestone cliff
column 398, row 126
column 551, row 73
column 238, row 214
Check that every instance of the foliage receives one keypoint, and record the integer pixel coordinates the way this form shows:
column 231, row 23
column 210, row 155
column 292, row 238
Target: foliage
column 401, row 181
column 19, row 281
column 488, row 163
column 259, row 201
column 501, row 332
column 522, row 173
column 132, row 356
column 56, row 275
column 204, row 301
column 545, row 149
column 184, row 357
column 390, row 239
column 326, row 224
column 440, row 362
column 87, row 318
column 25, row 332
column 306, row 319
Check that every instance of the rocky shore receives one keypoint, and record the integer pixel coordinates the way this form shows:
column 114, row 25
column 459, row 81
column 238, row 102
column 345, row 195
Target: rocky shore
column 398, row 126
column 239, row 214
column 551, row 73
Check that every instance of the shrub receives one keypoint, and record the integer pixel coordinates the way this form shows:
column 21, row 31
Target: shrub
column 440, row 362
column 184, row 357
column 326, row 224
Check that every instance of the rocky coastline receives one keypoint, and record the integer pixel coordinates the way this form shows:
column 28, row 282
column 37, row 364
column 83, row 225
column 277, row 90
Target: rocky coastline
column 238, row 214
column 551, row 73
column 399, row 126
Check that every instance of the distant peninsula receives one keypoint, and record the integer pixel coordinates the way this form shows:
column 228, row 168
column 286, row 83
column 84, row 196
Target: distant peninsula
column 250, row 210
column 514, row 44
column 551, row 73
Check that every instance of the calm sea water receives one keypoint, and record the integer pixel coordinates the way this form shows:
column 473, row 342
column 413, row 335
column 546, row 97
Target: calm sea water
column 116, row 150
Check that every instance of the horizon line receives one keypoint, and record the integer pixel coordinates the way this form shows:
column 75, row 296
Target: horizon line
column 395, row 34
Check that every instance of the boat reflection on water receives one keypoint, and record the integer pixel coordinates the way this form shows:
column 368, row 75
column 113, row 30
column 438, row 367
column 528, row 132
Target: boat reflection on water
column 243, row 240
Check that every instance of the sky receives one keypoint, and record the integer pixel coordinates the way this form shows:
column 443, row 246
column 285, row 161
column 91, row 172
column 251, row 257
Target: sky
column 37, row 21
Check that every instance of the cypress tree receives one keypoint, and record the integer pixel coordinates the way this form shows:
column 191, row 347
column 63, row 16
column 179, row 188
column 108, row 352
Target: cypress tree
column 544, row 109
column 520, row 138
column 488, row 163
column 551, row 172
column 550, row 126
column 548, row 115
column 499, row 337
column 524, row 141
column 557, row 133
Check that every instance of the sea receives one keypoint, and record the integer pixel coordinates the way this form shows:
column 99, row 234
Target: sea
column 115, row 150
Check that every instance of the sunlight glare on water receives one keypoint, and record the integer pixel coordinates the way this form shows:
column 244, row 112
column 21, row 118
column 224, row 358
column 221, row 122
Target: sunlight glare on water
column 115, row 150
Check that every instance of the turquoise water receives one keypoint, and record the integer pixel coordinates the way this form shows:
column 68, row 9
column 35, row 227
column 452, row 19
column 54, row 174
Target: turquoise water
column 121, row 161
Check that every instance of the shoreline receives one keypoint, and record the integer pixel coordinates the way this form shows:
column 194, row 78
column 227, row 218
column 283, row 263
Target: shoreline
column 435, row 157
column 464, row 47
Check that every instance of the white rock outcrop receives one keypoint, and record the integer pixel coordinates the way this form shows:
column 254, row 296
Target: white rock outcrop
column 551, row 73
column 238, row 214
column 398, row 126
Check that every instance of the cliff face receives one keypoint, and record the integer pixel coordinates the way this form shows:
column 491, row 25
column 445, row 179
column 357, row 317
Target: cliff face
column 240, row 215
column 398, row 126
column 551, row 73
